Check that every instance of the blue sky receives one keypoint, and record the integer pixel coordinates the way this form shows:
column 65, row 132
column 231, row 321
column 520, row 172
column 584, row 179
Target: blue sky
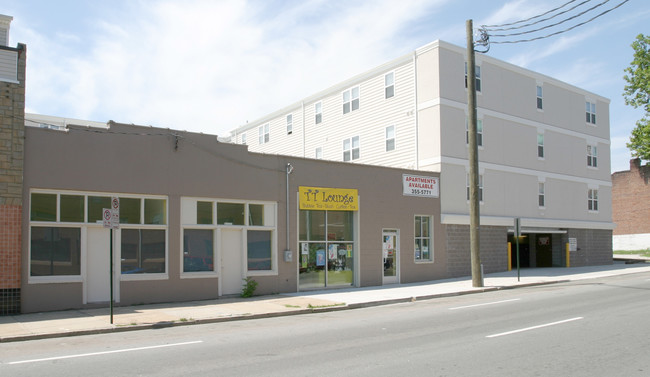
column 210, row 66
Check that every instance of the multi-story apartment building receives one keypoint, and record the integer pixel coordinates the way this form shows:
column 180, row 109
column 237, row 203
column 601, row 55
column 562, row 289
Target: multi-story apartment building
column 544, row 149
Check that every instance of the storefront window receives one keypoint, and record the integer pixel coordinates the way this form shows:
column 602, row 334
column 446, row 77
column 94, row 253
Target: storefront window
column 230, row 213
column 72, row 208
column 129, row 211
column 55, row 251
column 43, row 207
column 329, row 263
column 423, row 245
column 143, row 251
column 256, row 214
column 259, row 250
column 96, row 205
column 198, row 249
column 204, row 213
column 155, row 211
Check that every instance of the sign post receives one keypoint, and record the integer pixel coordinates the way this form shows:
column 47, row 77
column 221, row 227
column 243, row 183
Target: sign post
column 111, row 217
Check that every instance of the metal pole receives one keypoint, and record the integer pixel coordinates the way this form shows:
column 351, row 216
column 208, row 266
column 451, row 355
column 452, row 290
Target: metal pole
column 474, row 218
column 111, row 273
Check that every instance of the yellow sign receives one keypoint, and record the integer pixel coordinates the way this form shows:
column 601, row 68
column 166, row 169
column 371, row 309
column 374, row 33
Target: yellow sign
column 328, row 199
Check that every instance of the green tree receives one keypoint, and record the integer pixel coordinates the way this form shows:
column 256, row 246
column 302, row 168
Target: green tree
column 637, row 94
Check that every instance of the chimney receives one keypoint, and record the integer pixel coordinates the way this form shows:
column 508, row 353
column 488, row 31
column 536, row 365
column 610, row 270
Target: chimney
column 4, row 29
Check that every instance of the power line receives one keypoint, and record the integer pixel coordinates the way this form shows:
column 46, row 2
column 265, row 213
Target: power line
column 555, row 24
column 539, row 21
column 531, row 18
column 485, row 35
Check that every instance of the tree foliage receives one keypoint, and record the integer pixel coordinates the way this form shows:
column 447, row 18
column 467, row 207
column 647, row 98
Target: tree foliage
column 637, row 94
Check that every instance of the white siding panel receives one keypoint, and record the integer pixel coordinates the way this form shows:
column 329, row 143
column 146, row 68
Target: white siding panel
column 8, row 66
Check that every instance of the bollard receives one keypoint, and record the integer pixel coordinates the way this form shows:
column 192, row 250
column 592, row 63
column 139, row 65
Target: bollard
column 568, row 256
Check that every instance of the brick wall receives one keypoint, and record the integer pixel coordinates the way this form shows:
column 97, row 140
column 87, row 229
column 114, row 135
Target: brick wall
column 12, row 136
column 631, row 199
column 493, row 243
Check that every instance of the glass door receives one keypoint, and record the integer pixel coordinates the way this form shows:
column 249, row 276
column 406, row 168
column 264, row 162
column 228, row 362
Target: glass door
column 390, row 252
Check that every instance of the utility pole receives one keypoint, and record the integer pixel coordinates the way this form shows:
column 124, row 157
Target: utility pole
column 474, row 219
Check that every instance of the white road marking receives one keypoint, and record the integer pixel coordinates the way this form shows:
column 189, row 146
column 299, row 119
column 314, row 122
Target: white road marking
column 534, row 327
column 487, row 303
column 104, row 353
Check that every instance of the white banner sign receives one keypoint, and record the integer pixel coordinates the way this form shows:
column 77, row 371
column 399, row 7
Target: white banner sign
column 416, row 185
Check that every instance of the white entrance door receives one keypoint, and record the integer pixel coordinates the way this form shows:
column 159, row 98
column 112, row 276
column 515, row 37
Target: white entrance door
column 231, row 262
column 97, row 268
column 390, row 252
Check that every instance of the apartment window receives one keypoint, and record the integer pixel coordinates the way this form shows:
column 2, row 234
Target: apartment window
column 478, row 77
column 423, row 244
column 592, row 156
column 592, row 200
column 590, row 112
column 479, row 132
column 389, row 84
column 540, row 196
column 539, row 97
column 318, row 153
column 243, row 139
column 540, row 145
column 351, row 100
column 289, row 124
column 351, row 149
column 263, row 132
column 480, row 187
column 318, row 110
column 390, row 138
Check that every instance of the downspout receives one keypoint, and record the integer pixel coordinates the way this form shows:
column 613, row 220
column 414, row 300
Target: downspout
column 289, row 171
column 417, row 128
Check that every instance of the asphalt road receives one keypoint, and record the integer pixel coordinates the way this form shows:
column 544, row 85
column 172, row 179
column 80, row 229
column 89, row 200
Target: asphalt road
column 587, row 328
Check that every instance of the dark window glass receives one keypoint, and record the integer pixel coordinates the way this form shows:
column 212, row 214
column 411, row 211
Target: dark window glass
column 129, row 211
column 143, row 251
column 259, row 250
column 255, row 214
column 230, row 213
column 43, row 207
column 204, row 212
column 155, row 211
column 55, row 251
column 198, row 252
column 312, row 225
column 96, row 205
column 72, row 208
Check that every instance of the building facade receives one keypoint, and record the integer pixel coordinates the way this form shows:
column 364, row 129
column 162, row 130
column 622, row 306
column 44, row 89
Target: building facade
column 12, row 114
column 544, row 149
column 631, row 207
column 197, row 216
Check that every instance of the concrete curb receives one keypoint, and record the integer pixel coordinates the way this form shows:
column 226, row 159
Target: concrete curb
column 242, row 317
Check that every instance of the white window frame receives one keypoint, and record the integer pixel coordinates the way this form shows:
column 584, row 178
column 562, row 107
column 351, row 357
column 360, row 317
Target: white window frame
column 390, row 138
column 389, row 85
column 479, row 132
column 264, row 134
column 592, row 200
column 590, row 112
column 318, row 112
column 477, row 71
column 540, row 97
column 289, row 118
column 541, row 194
column 540, row 146
column 349, row 147
column 351, row 99
column 188, row 221
column 243, row 138
column 592, row 155
column 318, row 153
column 430, row 238
column 480, row 187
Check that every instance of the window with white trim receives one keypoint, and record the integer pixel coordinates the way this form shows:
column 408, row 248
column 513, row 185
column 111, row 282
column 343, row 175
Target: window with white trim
column 479, row 132
column 318, row 112
column 351, row 100
column 263, row 132
column 289, row 124
column 477, row 72
column 541, row 199
column 318, row 154
column 351, row 148
column 423, row 239
column 592, row 156
column 592, row 200
column 243, row 139
column 389, row 85
column 480, row 187
column 539, row 97
column 390, row 138
column 590, row 112
column 540, row 145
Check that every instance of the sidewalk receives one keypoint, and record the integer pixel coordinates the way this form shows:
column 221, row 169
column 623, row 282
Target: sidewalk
column 95, row 321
